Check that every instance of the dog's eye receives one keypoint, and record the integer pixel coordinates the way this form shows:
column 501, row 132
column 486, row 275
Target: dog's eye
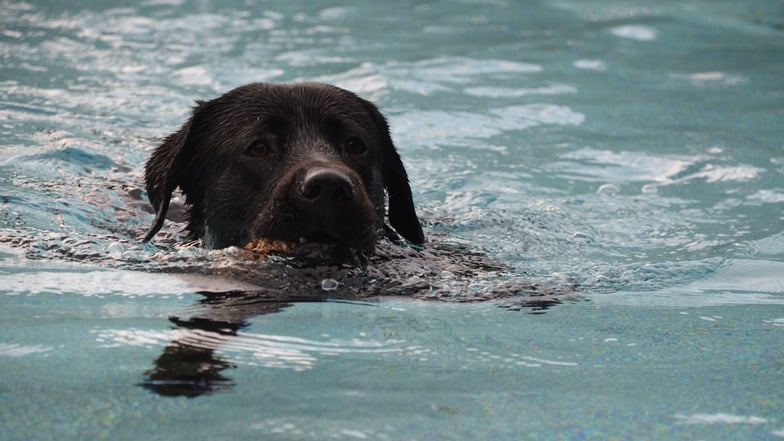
column 355, row 146
column 258, row 149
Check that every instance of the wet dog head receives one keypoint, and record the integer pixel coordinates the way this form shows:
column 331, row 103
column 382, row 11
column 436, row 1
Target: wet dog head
column 291, row 162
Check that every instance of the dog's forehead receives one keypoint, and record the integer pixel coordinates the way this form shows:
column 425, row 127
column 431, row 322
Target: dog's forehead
column 301, row 103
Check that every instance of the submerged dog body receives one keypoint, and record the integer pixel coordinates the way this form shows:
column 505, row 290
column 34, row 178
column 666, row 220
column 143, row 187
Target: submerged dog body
column 297, row 163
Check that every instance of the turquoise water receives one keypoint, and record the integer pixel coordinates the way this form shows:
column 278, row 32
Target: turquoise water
column 633, row 150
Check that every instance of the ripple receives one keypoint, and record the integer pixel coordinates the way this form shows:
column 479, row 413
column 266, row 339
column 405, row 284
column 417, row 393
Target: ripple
column 111, row 282
column 768, row 196
column 719, row 418
column 17, row 350
column 510, row 92
column 625, row 166
column 197, row 75
column 298, row 353
column 712, row 78
column 740, row 282
column 635, row 32
column 429, row 127
column 631, row 166
column 595, row 65
column 265, row 350
column 427, row 77
column 743, row 275
column 475, row 355
column 113, row 338
column 719, row 173
column 460, row 69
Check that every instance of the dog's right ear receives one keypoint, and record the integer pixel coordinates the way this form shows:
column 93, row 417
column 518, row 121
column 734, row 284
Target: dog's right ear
column 165, row 170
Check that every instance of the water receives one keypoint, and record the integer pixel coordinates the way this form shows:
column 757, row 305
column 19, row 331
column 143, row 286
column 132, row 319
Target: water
column 632, row 150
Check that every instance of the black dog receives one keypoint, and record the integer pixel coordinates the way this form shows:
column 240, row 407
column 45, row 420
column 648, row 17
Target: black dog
column 290, row 162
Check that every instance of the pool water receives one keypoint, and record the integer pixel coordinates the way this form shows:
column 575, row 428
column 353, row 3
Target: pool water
column 633, row 150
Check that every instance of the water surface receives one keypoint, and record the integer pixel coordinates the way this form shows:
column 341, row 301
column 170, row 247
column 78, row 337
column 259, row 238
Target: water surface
column 631, row 150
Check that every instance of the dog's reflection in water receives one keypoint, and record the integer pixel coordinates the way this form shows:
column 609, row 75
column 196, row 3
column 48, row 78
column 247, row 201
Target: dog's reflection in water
column 188, row 365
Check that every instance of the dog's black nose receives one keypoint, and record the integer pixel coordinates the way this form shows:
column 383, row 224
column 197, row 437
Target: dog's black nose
column 327, row 186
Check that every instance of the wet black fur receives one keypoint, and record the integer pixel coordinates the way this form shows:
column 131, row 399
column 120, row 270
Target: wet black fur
column 241, row 158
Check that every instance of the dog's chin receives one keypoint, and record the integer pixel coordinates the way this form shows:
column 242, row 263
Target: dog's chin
column 316, row 249
column 322, row 253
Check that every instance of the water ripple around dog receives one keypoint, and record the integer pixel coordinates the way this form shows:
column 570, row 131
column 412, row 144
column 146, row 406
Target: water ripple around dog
column 249, row 348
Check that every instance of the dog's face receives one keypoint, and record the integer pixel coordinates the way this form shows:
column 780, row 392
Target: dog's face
column 290, row 162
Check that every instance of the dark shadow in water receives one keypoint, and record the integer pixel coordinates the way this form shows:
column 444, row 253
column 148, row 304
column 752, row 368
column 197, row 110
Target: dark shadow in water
column 187, row 371
column 188, row 366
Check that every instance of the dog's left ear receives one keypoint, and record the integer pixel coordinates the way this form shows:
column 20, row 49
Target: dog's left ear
column 402, row 215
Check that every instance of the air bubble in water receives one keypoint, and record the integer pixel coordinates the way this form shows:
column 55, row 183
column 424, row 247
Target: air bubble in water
column 650, row 189
column 329, row 284
column 610, row 189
